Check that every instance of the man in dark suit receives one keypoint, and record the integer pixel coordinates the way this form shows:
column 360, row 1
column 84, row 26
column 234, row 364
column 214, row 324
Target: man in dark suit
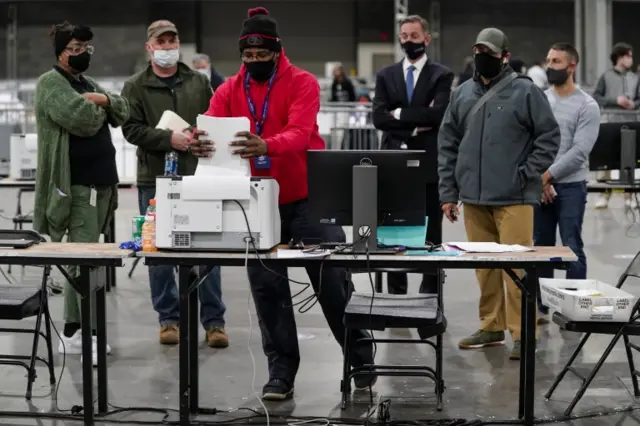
column 410, row 101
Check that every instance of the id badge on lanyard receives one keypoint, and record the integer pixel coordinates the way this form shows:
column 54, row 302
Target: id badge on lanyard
column 261, row 162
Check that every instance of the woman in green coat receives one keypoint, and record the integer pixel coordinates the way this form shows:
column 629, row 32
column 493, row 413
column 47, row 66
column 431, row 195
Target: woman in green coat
column 77, row 178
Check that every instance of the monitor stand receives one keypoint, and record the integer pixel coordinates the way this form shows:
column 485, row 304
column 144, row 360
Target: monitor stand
column 627, row 156
column 365, row 208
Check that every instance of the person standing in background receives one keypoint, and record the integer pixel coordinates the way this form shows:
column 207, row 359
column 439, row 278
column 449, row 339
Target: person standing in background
column 76, row 179
column 618, row 89
column 202, row 64
column 410, row 101
column 538, row 74
column 467, row 71
column 564, row 194
column 342, row 89
column 497, row 139
column 282, row 103
column 167, row 84
column 518, row 66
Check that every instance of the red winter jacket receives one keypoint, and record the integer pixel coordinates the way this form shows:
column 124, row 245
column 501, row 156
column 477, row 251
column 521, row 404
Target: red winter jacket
column 290, row 128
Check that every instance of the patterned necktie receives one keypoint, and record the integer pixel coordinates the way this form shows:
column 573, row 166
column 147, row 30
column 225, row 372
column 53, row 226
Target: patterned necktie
column 410, row 82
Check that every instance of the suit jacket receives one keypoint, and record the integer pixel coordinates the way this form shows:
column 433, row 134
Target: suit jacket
column 430, row 100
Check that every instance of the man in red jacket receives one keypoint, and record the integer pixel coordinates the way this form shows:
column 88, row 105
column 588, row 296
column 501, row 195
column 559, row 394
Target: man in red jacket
column 282, row 103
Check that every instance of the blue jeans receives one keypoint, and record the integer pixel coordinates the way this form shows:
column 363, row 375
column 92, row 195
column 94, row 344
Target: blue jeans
column 566, row 213
column 164, row 292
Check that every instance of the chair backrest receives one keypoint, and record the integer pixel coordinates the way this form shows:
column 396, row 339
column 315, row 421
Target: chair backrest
column 635, row 312
column 633, row 270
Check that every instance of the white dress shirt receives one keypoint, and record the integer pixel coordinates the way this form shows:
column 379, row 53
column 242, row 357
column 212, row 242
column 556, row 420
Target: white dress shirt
column 419, row 65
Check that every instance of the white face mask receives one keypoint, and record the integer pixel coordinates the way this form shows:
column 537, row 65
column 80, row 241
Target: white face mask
column 166, row 58
column 205, row 71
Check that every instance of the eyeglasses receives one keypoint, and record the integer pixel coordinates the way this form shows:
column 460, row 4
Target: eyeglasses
column 77, row 49
column 261, row 55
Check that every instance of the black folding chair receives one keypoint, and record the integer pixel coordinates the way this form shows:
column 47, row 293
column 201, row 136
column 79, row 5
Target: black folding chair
column 133, row 267
column 19, row 218
column 616, row 329
column 18, row 302
column 372, row 312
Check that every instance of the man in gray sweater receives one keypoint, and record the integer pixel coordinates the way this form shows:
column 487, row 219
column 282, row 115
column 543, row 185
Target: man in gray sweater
column 564, row 193
column 493, row 160
column 618, row 89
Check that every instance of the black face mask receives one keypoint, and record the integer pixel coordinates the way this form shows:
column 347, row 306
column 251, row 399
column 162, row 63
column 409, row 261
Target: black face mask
column 413, row 50
column 487, row 66
column 79, row 63
column 557, row 77
column 260, row 71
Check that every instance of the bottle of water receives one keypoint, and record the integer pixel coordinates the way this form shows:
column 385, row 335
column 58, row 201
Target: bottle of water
column 171, row 163
column 149, row 228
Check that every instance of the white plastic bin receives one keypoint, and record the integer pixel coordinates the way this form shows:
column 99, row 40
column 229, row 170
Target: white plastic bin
column 587, row 300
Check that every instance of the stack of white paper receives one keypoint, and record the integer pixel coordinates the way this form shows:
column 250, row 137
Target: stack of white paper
column 488, row 247
column 172, row 121
column 222, row 130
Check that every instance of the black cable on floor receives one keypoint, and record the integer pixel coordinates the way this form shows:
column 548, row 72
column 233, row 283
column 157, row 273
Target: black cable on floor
column 282, row 420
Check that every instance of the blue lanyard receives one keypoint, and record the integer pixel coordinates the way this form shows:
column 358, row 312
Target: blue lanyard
column 265, row 106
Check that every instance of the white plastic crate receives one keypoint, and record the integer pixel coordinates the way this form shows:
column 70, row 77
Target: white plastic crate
column 587, row 300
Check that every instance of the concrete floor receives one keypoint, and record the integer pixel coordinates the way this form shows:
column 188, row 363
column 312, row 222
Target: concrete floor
column 480, row 384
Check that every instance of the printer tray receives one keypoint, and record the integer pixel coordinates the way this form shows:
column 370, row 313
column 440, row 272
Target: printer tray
column 16, row 243
column 10, row 238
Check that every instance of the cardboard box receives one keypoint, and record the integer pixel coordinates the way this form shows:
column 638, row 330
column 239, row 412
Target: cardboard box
column 587, row 300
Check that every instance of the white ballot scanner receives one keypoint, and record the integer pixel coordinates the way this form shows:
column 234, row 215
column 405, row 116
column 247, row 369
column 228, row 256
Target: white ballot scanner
column 221, row 208
column 217, row 213
column 24, row 156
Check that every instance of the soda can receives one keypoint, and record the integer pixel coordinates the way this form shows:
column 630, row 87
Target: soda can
column 171, row 164
column 136, row 229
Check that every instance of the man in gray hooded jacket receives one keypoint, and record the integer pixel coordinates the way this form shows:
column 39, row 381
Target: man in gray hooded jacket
column 492, row 159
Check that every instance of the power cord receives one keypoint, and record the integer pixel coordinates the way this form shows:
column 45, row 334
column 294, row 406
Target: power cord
column 253, row 359
column 630, row 212
column 288, row 420
column 2, row 216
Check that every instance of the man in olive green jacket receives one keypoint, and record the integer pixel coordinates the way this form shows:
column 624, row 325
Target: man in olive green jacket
column 167, row 84
column 76, row 180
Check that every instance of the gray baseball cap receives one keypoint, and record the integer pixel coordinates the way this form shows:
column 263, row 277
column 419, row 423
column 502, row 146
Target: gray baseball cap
column 492, row 38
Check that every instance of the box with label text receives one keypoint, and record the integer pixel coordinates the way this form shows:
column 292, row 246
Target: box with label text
column 587, row 300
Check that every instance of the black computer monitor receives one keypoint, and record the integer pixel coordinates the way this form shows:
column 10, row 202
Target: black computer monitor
column 367, row 189
column 617, row 148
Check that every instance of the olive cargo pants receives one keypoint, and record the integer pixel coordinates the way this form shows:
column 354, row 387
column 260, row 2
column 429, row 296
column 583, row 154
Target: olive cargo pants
column 503, row 225
column 86, row 223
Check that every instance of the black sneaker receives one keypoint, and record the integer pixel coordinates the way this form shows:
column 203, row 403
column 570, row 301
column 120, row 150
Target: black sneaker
column 363, row 382
column 277, row 390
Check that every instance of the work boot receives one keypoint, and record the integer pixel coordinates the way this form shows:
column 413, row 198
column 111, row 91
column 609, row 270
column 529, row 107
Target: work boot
column 216, row 337
column 481, row 339
column 169, row 334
